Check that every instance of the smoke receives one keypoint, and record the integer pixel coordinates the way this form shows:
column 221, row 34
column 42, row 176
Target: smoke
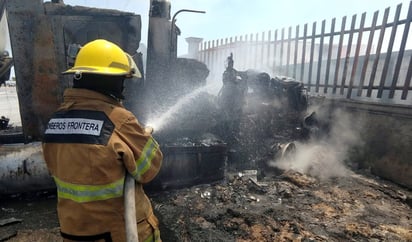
column 324, row 156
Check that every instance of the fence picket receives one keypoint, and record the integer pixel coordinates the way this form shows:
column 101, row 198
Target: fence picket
column 401, row 52
column 332, row 30
column 318, row 75
column 378, row 52
column 389, row 52
column 367, row 54
column 356, row 57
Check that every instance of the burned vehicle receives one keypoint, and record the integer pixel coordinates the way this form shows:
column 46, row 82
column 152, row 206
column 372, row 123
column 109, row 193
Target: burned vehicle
column 259, row 113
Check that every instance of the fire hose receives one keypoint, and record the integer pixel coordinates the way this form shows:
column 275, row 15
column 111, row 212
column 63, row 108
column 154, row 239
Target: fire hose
column 130, row 203
column 130, row 209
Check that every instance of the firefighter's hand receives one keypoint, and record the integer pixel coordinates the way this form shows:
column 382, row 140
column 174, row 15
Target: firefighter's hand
column 148, row 130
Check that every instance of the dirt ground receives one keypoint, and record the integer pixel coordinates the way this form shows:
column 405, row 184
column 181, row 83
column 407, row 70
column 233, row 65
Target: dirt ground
column 289, row 207
column 286, row 207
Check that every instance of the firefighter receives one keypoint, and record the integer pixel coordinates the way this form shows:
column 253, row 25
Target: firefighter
column 91, row 142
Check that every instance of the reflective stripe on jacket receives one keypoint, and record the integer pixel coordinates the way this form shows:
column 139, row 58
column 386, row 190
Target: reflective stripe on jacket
column 89, row 193
column 89, row 144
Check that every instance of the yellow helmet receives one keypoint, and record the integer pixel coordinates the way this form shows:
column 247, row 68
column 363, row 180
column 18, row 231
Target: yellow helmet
column 105, row 58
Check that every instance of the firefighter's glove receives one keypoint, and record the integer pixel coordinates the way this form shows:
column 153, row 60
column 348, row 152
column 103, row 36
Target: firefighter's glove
column 148, row 130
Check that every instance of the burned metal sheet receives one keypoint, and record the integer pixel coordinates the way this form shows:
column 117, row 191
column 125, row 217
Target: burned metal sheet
column 23, row 169
column 188, row 165
column 40, row 34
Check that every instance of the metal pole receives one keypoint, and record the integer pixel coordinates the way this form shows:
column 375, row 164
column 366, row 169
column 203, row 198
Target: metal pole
column 173, row 24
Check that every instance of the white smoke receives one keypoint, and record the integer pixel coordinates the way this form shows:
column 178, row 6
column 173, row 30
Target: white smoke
column 325, row 157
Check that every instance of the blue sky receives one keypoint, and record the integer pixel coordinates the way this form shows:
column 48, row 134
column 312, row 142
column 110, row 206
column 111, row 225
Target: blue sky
column 227, row 18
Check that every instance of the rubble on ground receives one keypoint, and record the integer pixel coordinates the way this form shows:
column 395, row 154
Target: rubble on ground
column 288, row 207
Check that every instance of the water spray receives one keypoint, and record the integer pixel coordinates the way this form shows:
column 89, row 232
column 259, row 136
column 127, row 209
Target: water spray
column 160, row 122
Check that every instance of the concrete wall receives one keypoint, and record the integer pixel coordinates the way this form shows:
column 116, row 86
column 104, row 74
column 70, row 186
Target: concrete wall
column 386, row 134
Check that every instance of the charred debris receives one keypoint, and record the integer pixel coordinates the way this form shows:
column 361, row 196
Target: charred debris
column 253, row 115
column 262, row 121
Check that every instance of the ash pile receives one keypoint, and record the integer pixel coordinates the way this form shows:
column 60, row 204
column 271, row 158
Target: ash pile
column 289, row 207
